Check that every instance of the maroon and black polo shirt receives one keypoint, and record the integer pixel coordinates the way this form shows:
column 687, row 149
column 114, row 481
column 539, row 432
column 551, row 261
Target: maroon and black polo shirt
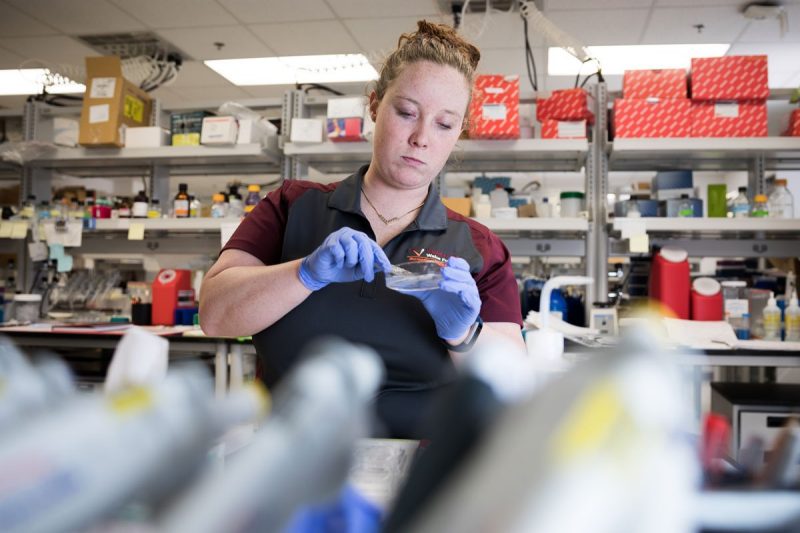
column 292, row 221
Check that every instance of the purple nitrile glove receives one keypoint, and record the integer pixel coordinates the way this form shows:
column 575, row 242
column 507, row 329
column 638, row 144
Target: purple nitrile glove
column 456, row 304
column 345, row 255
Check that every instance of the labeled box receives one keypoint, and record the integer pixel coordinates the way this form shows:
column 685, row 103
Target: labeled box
column 110, row 102
column 219, row 130
column 672, row 179
column 563, row 129
column 652, row 118
column 345, row 119
column 729, row 119
column 794, row 124
column 306, row 130
column 146, row 137
column 494, row 110
column 186, row 127
column 566, row 104
column 663, row 83
column 729, row 78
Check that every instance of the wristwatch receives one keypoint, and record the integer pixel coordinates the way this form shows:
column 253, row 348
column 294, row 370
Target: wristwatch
column 472, row 336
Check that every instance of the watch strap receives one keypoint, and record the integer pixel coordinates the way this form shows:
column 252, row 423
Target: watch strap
column 472, row 336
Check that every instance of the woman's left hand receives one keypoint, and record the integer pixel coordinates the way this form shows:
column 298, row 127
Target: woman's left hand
column 456, row 304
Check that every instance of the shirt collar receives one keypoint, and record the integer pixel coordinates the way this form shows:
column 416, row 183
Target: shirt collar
column 347, row 197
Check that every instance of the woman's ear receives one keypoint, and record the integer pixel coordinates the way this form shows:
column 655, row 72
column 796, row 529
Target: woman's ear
column 373, row 105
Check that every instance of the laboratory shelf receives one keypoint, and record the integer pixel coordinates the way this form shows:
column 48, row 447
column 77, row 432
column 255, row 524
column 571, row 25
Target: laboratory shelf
column 181, row 160
column 468, row 155
column 780, row 153
column 545, row 225
column 164, row 224
column 709, row 225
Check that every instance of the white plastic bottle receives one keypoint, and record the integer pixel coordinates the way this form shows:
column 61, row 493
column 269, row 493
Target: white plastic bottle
column 792, row 320
column 740, row 208
column 772, row 320
column 780, row 202
column 498, row 198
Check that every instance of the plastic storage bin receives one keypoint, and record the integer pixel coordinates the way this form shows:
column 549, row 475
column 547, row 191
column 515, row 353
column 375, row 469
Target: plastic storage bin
column 26, row 307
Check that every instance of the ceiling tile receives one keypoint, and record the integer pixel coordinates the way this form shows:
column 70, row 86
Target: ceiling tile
column 199, row 42
column 257, row 11
column 9, row 59
column 781, row 58
column 267, row 91
column 595, row 27
column 384, row 8
column 196, row 74
column 378, row 37
column 499, row 30
column 320, row 37
column 172, row 14
column 696, row 3
column 562, row 5
column 676, row 25
column 56, row 49
column 768, row 31
column 15, row 23
column 77, row 17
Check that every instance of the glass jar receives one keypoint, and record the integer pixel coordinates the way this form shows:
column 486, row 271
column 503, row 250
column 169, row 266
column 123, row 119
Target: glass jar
column 737, row 307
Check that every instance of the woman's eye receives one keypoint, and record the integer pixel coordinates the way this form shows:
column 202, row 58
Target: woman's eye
column 404, row 114
column 445, row 126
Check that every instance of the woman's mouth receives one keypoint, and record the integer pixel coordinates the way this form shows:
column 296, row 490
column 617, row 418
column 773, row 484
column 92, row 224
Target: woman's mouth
column 412, row 161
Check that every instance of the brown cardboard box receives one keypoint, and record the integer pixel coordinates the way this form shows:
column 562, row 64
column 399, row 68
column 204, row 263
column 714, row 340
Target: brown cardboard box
column 461, row 206
column 110, row 102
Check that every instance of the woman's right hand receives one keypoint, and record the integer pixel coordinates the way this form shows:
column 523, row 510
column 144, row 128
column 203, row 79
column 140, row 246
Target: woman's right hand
column 345, row 255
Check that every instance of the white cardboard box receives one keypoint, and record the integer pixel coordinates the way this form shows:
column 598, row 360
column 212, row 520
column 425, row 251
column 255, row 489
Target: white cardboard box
column 306, row 130
column 347, row 107
column 250, row 132
column 219, row 130
column 146, row 137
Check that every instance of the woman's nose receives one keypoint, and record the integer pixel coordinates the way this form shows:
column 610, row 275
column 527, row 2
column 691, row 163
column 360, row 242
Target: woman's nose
column 419, row 137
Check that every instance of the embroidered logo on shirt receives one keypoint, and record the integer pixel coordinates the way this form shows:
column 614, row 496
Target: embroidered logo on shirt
column 427, row 255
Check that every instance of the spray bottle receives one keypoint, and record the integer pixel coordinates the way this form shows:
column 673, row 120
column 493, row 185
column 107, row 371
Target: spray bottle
column 772, row 320
column 792, row 320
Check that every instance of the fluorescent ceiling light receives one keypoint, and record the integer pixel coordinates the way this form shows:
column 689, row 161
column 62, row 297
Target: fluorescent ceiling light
column 33, row 80
column 618, row 59
column 294, row 69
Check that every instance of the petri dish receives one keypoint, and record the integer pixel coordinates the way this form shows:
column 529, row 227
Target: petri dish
column 414, row 276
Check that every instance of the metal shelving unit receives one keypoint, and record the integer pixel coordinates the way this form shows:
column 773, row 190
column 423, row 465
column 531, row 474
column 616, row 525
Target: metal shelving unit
column 178, row 160
column 468, row 156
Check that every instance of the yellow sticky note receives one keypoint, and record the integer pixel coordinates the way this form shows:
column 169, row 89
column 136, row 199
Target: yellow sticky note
column 19, row 230
column 639, row 244
column 5, row 230
column 136, row 232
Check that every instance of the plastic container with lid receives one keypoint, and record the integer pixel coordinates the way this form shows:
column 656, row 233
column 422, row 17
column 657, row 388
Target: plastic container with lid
column 669, row 280
column 740, row 207
column 772, row 320
column 253, row 197
column 26, row 307
column 737, row 307
column 760, row 208
column 781, row 202
column 571, row 204
column 218, row 209
column 792, row 320
column 707, row 301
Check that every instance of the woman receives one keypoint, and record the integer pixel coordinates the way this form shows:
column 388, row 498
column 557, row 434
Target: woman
column 309, row 259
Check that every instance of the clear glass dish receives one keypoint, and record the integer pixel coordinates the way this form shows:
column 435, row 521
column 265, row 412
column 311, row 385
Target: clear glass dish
column 414, row 276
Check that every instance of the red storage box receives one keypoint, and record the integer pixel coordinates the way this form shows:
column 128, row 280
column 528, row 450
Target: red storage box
column 345, row 129
column 729, row 119
column 167, row 289
column 665, row 83
column 563, row 129
column 652, row 118
column 566, row 104
column 729, row 78
column 494, row 110
column 794, row 124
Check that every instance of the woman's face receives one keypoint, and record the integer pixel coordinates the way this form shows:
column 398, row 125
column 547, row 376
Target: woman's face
column 417, row 123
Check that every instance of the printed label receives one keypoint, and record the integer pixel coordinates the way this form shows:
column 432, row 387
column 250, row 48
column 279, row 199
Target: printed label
column 571, row 130
column 181, row 208
column 726, row 110
column 736, row 308
column 103, row 88
column 494, row 112
column 133, row 108
column 98, row 113
column 493, row 90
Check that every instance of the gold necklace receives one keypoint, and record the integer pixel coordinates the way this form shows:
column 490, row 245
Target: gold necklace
column 382, row 218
